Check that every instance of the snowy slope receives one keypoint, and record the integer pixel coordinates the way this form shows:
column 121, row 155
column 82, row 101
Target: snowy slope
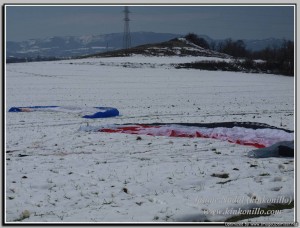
column 57, row 173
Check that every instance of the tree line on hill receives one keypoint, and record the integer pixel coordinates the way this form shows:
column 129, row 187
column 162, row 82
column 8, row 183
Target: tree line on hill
column 275, row 60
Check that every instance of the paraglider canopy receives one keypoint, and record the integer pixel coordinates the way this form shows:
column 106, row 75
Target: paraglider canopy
column 86, row 112
column 243, row 133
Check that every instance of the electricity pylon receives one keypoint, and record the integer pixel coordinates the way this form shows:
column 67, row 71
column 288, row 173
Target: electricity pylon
column 126, row 35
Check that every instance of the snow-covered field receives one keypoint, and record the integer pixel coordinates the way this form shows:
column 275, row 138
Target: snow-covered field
column 58, row 173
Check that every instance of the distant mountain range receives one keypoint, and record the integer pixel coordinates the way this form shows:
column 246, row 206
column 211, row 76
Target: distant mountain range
column 71, row 46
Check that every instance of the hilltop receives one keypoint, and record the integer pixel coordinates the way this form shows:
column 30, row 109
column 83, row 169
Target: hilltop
column 213, row 60
column 173, row 47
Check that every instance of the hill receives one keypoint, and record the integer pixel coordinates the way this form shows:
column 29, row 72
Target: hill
column 174, row 47
column 70, row 46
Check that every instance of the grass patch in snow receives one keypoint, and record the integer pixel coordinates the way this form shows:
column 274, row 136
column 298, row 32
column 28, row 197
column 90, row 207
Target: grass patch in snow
column 220, row 175
column 264, row 174
column 24, row 215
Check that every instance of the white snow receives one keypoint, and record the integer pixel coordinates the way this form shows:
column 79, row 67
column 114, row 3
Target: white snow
column 76, row 176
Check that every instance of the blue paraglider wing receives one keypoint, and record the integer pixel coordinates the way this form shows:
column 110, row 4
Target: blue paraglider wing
column 105, row 112
column 86, row 112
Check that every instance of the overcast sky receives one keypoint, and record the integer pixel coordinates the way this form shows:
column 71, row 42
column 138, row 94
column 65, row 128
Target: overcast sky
column 217, row 22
